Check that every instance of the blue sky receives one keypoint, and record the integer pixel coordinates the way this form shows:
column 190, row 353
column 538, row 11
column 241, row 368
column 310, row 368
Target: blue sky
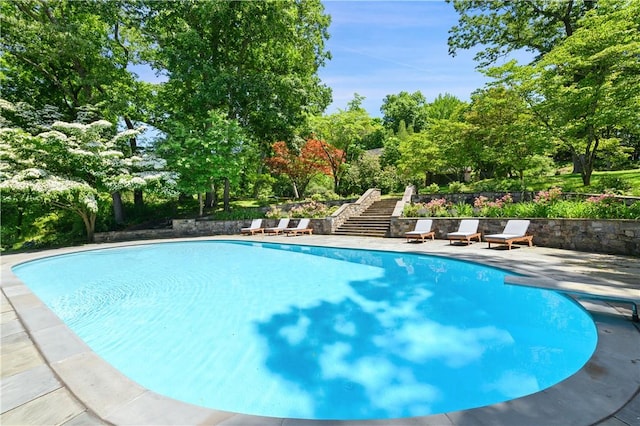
column 385, row 47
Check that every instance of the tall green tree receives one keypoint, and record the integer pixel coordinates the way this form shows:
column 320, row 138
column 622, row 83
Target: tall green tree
column 420, row 156
column 346, row 131
column 587, row 89
column 503, row 26
column 206, row 154
column 443, row 107
column 504, row 137
column 256, row 61
column 69, row 54
column 408, row 107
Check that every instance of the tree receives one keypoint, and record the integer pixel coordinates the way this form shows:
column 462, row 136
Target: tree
column 256, row 62
column 444, row 107
column 344, row 133
column 71, row 54
column 504, row 26
column 504, row 134
column 419, row 156
column 410, row 108
column 205, row 154
column 71, row 165
column 299, row 166
column 587, row 89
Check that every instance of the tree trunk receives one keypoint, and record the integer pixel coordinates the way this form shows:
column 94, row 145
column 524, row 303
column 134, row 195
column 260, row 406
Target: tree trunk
column 211, row 200
column 118, row 210
column 227, row 206
column 296, row 195
column 89, row 220
column 200, row 205
column 578, row 162
column 138, row 200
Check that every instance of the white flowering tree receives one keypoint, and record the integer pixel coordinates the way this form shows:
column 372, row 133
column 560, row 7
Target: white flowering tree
column 72, row 164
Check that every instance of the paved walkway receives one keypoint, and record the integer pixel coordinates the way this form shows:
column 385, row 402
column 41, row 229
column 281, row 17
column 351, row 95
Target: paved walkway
column 49, row 376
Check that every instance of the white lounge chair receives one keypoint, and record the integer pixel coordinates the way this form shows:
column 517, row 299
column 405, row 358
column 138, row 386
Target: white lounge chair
column 467, row 231
column 421, row 231
column 515, row 231
column 255, row 227
column 301, row 228
column 280, row 227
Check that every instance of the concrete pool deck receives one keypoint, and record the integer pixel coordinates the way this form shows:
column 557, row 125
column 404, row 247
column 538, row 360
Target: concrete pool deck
column 49, row 376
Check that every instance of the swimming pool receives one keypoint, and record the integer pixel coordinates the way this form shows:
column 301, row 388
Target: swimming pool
column 314, row 332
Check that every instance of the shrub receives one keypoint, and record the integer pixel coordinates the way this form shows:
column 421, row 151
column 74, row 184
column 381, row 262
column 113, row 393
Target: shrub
column 547, row 197
column 411, row 210
column 461, row 209
column 606, row 206
column 312, row 209
column 275, row 213
column 438, row 207
column 432, row 189
column 456, row 187
column 484, row 207
column 613, row 184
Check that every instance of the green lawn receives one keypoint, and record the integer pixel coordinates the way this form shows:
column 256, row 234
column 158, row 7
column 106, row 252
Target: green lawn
column 573, row 182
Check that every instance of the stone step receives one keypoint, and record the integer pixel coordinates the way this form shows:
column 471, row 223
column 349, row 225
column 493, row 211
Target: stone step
column 373, row 222
column 362, row 233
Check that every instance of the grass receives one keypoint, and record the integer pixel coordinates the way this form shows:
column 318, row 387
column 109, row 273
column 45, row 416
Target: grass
column 573, row 182
column 625, row 182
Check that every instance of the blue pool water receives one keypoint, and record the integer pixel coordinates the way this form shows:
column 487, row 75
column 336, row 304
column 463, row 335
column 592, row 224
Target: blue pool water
column 312, row 332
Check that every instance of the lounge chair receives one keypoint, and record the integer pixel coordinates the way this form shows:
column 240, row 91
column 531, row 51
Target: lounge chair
column 254, row 228
column 514, row 232
column 467, row 231
column 301, row 228
column 280, row 227
column 421, row 231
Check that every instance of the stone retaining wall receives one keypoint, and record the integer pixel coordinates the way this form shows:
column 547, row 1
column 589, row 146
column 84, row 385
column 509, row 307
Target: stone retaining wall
column 598, row 236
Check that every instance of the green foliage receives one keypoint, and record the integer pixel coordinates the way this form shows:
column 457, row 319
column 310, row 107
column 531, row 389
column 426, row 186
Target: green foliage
column 321, row 188
column 434, row 208
column 345, row 130
column 503, row 136
column 500, row 27
column 237, row 214
column 462, row 209
column 311, row 209
column 457, row 187
column 546, row 204
column 434, row 188
column 497, row 185
column 587, row 86
column 206, row 153
column 404, row 107
column 72, row 53
column 608, row 183
column 256, row 61
column 366, row 172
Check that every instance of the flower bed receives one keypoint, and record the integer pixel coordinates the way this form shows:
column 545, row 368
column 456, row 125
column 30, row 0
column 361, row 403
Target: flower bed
column 546, row 204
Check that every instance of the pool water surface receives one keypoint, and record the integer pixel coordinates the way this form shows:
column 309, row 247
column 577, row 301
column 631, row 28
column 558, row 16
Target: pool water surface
column 314, row 332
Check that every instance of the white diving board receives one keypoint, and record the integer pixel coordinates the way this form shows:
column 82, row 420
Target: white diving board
column 586, row 291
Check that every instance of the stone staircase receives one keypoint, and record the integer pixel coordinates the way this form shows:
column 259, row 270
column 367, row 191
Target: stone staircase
column 373, row 222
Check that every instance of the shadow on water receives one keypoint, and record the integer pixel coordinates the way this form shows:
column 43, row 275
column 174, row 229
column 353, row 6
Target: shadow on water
column 381, row 352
